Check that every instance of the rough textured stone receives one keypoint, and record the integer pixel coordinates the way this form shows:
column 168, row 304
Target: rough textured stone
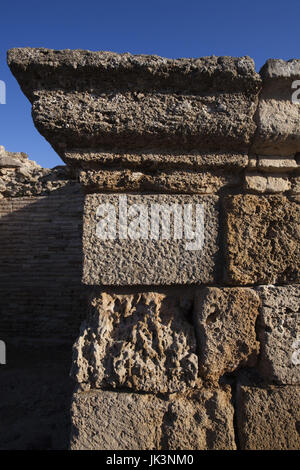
column 262, row 240
column 278, row 68
column 260, row 183
column 225, row 327
column 160, row 181
column 147, row 161
column 203, row 420
column 277, row 164
column 20, row 176
column 279, row 332
column 84, row 99
column 119, row 421
column 278, row 131
column 268, row 419
column 140, row 341
column 295, row 185
column 149, row 261
column 106, row 420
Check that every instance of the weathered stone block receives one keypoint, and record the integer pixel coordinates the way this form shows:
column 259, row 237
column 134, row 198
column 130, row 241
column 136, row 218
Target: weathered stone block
column 174, row 181
column 261, row 183
column 202, row 420
column 148, row 160
column 140, row 341
column 278, row 117
column 262, row 240
column 279, row 334
column 85, row 99
column 103, row 420
column 149, row 239
column 268, row 418
column 277, row 164
column 225, row 327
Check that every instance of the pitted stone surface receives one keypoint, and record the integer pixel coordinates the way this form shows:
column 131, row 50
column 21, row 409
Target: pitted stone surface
column 84, row 99
column 262, row 240
column 277, row 164
column 140, row 341
column 225, row 327
column 278, row 117
column 268, row 418
column 201, row 420
column 163, row 260
column 20, row 176
column 191, row 182
column 262, row 183
column 103, row 420
column 279, row 334
column 151, row 160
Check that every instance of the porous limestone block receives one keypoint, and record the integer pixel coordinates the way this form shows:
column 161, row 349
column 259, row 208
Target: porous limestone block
column 277, row 164
column 262, row 183
column 278, row 115
column 279, row 334
column 142, row 341
column 168, row 181
column 150, row 239
column 225, row 327
column 148, row 160
column 96, row 99
column 295, row 185
column 262, row 240
column 268, row 418
column 104, row 420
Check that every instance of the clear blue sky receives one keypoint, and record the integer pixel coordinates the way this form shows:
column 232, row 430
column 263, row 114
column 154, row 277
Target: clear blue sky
column 261, row 29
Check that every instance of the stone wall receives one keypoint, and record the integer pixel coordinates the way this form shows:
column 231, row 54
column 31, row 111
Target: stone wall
column 41, row 253
column 191, row 340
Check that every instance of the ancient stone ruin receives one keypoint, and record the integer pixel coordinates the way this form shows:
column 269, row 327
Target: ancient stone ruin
column 191, row 257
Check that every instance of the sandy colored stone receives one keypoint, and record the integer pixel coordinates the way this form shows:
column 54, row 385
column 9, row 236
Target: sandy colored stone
column 144, row 341
column 260, row 183
column 252, row 162
column 141, row 259
column 278, row 68
column 277, row 164
column 161, row 181
column 278, row 123
column 295, row 185
column 268, row 418
column 151, row 160
column 103, row 420
column 86, row 99
column 262, row 240
column 279, row 334
column 225, row 327
column 20, row 176
column 203, row 421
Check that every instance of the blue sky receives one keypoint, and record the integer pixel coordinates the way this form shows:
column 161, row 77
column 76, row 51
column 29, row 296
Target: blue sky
column 170, row 28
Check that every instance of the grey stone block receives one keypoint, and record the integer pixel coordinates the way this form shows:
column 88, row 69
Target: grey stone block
column 279, row 334
column 268, row 418
column 94, row 100
column 147, row 255
column 103, row 420
column 278, row 115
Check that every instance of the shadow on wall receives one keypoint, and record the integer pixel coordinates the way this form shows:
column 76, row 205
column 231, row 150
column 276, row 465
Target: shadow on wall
column 41, row 308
